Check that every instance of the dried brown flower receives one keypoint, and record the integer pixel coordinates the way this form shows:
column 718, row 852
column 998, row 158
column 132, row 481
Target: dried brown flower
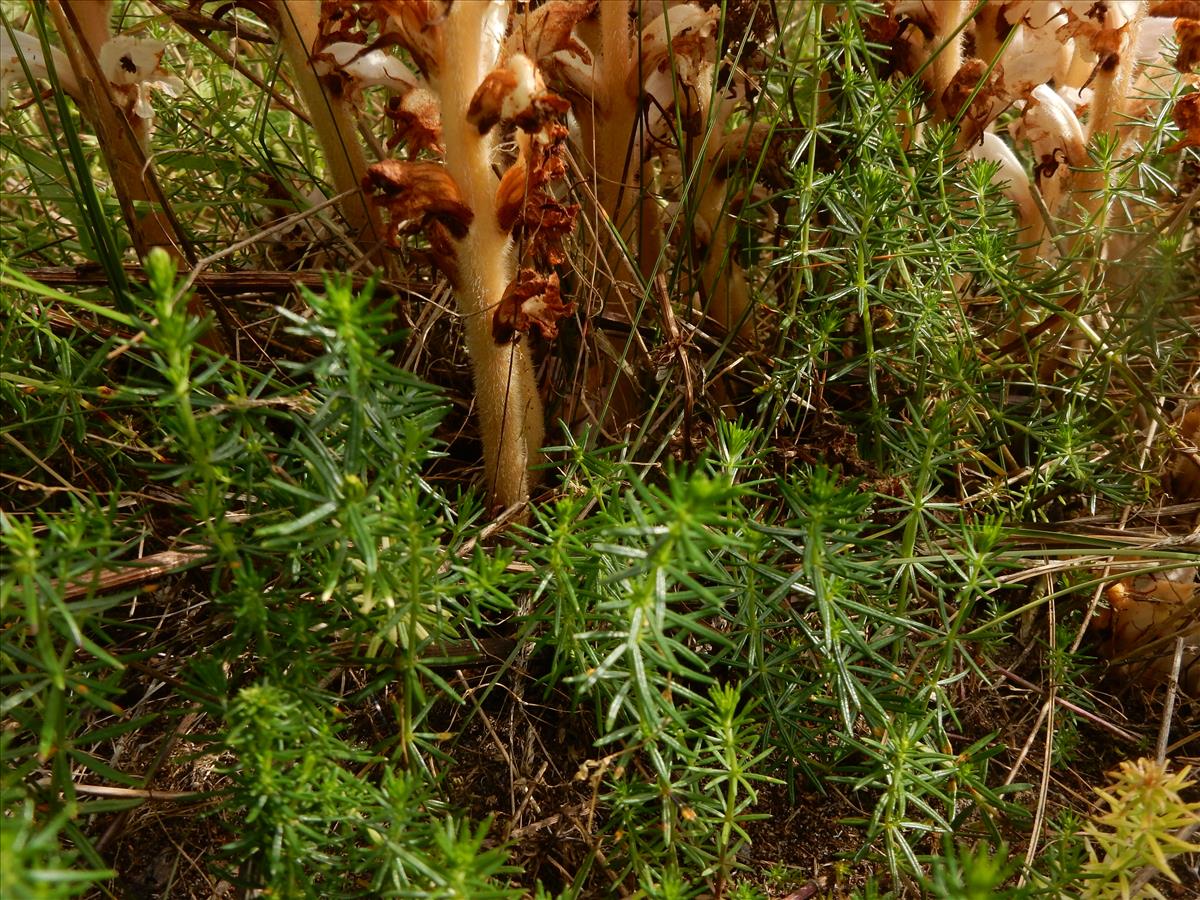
column 416, row 121
column 549, row 29
column 525, row 206
column 516, row 93
column 1187, row 118
column 341, row 21
column 416, row 192
column 680, row 43
column 1185, row 470
column 531, row 299
column 1102, row 28
column 1189, row 9
column 986, row 103
column 415, row 25
column 888, row 30
column 1187, row 33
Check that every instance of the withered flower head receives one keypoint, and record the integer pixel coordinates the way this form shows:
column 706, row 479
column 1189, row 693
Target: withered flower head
column 415, row 193
column 531, row 299
column 525, row 206
column 515, row 92
column 1187, row 33
column 1187, row 118
column 417, row 26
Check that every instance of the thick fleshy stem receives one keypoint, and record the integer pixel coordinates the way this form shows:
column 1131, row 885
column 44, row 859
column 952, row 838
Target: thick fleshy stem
column 1111, row 92
column 506, row 395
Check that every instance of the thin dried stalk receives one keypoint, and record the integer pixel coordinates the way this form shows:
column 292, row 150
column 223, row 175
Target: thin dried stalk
column 333, row 122
column 84, row 28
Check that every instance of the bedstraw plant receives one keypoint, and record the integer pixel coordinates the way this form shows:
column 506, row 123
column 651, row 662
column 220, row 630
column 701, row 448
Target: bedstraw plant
column 597, row 448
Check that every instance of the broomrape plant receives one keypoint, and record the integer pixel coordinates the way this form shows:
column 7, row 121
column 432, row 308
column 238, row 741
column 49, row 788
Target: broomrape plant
column 468, row 99
column 645, row 103
column 1077, row 72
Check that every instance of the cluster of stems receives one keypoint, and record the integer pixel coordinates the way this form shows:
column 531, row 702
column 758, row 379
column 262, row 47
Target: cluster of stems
column 633, row 88
column 629, row 85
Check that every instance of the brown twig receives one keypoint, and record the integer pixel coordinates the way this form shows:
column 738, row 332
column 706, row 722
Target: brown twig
column 1164, row 731
column 104, row 790
column 141, row 571
column 1068, row 705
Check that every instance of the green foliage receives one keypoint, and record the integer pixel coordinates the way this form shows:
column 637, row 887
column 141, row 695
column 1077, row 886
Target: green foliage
column 1147, row 822
column 965, row 873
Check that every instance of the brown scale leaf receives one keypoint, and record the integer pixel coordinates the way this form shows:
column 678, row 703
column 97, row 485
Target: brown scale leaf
column 416, row 193
column 443, row 250
column 532, row 299
column 511, row 194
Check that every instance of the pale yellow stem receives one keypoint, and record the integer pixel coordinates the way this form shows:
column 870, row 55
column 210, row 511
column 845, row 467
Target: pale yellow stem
column 1109, row 100
column 506, row 395
column 945, row 65
column 332, row 120
column 723, row 280
column 618, row 156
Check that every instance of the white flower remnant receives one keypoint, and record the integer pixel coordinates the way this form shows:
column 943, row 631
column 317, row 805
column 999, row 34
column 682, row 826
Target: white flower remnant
column 133, row 67
column 27, row 51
